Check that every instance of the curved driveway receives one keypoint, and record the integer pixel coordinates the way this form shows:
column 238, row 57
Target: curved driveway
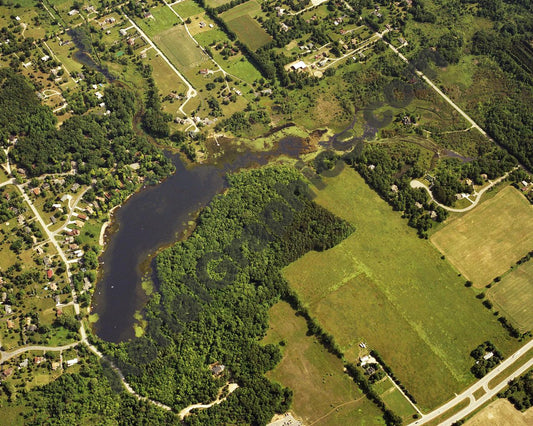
column 417, row 184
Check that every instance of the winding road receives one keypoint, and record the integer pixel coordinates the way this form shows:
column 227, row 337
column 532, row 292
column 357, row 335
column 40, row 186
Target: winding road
column 417, row 184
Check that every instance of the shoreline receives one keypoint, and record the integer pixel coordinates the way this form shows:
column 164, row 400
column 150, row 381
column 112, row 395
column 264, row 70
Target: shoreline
column 107, row 223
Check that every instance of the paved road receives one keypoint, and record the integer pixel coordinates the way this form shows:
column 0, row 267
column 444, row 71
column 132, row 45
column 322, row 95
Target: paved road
column 417, row 184
column 6, row 356
column 7, row 182
column 481, row 384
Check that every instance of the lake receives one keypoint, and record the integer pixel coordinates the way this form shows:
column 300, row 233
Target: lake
column 152, row 219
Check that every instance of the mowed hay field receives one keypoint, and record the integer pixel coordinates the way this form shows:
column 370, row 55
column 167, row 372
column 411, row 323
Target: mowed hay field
column 501, row 413
column 486, row 241
column 240, row 21
column 513, row 296
column 391, row 289
column 316, row 376
column 180, row 49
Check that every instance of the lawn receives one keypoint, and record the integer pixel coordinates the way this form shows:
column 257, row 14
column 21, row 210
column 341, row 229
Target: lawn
column 513, row 296
column 486, row 241
column 385, row 285
column 180, row 49
column 322, row 391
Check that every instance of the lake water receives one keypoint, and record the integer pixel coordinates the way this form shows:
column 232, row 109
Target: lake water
column 153, row 218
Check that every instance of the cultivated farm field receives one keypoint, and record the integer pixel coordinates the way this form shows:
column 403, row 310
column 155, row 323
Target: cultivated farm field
column 391, row 289
column 240, row 20
column 514, row 296
column 316, row 376
column 486, row 241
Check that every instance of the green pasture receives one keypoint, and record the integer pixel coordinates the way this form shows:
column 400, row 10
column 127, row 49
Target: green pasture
column 385, row 285
column 179, row 47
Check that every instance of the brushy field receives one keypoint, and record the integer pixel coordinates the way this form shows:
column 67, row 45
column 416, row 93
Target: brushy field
column 386, row 286
column 179, row 47
column 486, row 241
column 514, row 296
column 320, row 386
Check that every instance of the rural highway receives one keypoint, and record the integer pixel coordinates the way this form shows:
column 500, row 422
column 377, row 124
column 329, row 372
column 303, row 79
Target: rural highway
column 417, row 184
column 483, row 383
column 434, row 87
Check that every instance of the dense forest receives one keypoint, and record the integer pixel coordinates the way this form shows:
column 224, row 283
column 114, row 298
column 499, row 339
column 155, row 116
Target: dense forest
column 21, row 112
column 215, row 290
column 92, row 141
column 94, row 395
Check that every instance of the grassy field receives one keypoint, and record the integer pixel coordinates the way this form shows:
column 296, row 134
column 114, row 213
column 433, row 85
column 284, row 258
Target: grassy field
column 485, row 242
column 166, row 79
column 514, row 296
column 187, row 8
column 250, row 8
column 385, row 285
column 216, row 3
column 240, row 20
column 323, row 393
column 163, row 19
column 179, row 47
column 501, row 413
